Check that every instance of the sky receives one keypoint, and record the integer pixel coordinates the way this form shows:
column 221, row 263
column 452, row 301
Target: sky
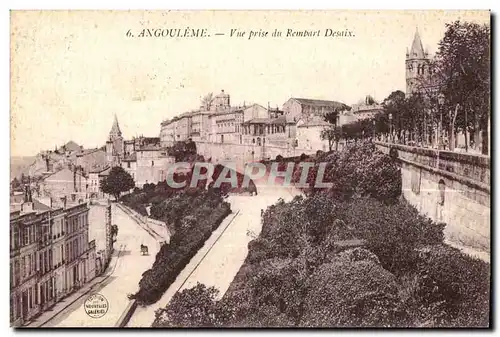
column 72, row 71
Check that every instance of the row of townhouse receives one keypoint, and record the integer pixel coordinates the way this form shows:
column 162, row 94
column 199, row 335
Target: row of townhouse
column 50, row 257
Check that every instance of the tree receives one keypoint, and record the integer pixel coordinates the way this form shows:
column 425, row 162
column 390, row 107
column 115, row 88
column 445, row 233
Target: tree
column 193, row 307
column 331, row 116
column 461, row 72
column 15, row 184
column 464, row 59
column 370, row 100
column 207, row 101
column 116, row 182
column 333, row 135
column 394, row 105
column 182, row 150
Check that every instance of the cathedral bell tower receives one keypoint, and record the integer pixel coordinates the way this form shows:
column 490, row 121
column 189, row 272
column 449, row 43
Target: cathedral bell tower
column 114, row 144
column 417, row 64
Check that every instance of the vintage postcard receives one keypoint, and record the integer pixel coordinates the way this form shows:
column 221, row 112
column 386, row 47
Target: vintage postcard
column 250, row 169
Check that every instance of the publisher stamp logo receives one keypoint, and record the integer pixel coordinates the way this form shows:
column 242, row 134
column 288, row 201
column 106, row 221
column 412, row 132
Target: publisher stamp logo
column 96, row 306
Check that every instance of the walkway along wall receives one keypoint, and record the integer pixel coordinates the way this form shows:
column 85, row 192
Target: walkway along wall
column 449, row 187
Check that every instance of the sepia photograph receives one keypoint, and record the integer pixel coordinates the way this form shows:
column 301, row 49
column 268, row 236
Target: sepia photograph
column 250, row 169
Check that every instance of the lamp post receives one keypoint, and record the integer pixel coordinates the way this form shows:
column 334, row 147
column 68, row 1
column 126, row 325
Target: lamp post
column 440, row 104
column 373, row 129
column 390, row 130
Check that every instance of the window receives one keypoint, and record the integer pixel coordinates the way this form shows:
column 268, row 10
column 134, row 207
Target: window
column 32, row 235
column 12, row 314
column 28, row 266
column 25, row 237
column 16, row 237
column 51, row 262
column 30, row 295
column 128, row 164
column 23, row 267
column 18, row 306
column 152, row 163
column 17, row 276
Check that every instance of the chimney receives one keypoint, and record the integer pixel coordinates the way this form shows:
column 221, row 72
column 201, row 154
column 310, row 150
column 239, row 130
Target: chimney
column 27, row 207
column 64, row 201
column 222, row 90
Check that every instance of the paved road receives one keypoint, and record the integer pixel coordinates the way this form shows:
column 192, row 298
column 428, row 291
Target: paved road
column 221, row 257
column 123, row 280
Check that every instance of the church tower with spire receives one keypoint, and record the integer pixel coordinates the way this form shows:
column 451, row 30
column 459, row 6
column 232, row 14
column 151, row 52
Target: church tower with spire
column 114, row 144
column 417, row 64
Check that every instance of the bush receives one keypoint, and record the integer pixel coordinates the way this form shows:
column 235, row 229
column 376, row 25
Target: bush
column 195, row 307
column 194, row 218
column 455, row 286
column 358, row 170
column 347, row 293
column 392, row 232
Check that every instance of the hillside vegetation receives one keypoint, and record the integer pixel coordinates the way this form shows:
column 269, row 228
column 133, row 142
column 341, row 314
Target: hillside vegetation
column 355, row 255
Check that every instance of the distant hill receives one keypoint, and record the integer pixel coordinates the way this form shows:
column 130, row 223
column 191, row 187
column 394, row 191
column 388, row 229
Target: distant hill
column 19, row 165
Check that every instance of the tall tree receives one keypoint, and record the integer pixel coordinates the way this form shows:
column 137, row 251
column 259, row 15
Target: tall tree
column 333, row 134
column 207, row 101
column 462, row 71
column 331, row 116
column 395, row 106
column 117, row 182
column 15, row 185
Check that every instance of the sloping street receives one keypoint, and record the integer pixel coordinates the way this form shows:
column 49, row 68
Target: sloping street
column 218, row 261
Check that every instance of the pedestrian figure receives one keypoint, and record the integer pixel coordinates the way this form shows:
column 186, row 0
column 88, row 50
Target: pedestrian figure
column 144, row 250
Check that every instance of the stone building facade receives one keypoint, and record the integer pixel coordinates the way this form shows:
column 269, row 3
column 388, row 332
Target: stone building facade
column 50, row 257
column 262, row 132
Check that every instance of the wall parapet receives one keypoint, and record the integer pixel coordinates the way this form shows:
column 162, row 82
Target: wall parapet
column 448, row 187
column 471, row 168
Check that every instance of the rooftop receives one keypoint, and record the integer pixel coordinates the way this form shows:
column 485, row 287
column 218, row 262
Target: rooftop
column 280, row 120
column 313, row 121
column 319, row 102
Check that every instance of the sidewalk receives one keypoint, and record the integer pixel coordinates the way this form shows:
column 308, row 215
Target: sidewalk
column 139, row 219
column 60, row 306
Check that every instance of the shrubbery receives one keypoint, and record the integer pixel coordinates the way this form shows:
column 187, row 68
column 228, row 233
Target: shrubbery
column 346, row 293
column 193, row 217
column 191, row 213
column 392, row 232
column 359, row 170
